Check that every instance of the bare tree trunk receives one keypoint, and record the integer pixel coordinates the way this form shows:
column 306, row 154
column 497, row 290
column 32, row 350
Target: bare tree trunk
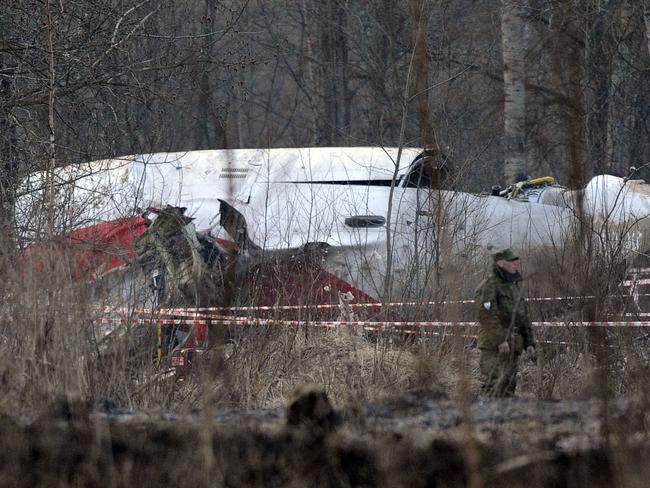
column 620, row 114
column 8, row 164
column 420, row 17
column 385, row 80
column 596, row 83
column 646, row 18
column 344, row 116
column 214, row 113
column 419, row 10
column 307, row 54
column 514, row 111
column 50, row 124
column 327, row 43
column 203, row 134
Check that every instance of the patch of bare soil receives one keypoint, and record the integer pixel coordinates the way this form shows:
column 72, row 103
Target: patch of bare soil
column 410, row 441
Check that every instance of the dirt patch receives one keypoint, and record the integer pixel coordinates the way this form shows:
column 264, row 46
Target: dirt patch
column 414, row 442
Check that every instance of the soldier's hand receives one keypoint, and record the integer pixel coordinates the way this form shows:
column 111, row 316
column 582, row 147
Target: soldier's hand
column 504, row 347
column 531, row 353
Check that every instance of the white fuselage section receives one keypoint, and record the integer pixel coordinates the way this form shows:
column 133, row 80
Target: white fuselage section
column 291, row 197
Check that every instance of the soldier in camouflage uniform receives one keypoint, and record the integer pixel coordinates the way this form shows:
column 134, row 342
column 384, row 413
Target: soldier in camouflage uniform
column 505, row 330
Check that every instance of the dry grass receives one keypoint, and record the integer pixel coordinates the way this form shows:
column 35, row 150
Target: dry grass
column 50, row 348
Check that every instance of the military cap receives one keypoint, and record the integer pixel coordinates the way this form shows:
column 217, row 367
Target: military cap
column 505, row 255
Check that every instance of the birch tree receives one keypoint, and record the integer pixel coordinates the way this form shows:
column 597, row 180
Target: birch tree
column 514, row 110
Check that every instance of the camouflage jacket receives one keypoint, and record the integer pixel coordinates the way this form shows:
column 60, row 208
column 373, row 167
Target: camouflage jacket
column 502, row 312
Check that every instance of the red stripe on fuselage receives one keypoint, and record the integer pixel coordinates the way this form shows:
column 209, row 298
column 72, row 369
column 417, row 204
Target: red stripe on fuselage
column 88, row 251
column 96, row 249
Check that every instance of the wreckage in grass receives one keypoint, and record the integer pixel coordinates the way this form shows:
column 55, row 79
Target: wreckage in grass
column 300, row 226
column 365, row 217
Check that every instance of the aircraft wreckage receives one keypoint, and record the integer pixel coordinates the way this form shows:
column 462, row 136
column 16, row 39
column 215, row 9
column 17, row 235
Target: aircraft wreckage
column 300, row 225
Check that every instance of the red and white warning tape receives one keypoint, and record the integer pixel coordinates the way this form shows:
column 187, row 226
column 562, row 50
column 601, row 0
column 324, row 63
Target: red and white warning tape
column 643, row 281
column 369, row 325
column 264, row 308
column 162, row 321
column 639, row 271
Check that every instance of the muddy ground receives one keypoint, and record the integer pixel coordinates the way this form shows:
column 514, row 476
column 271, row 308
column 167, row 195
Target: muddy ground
column 410, row 441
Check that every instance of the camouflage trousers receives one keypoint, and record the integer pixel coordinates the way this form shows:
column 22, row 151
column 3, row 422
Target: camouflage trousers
column 498, row 373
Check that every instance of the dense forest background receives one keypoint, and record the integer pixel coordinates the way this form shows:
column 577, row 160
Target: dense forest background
column 87, row 79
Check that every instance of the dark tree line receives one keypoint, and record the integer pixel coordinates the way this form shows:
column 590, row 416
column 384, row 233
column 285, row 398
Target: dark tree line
column 133, row 76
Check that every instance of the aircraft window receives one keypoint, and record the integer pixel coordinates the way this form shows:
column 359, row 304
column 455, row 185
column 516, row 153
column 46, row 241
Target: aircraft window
column 365, row 221
column 418, row 177
column 420, row 174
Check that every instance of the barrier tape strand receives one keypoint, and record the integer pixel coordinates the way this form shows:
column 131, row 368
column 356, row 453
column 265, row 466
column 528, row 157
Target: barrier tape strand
column 374, row 325
column 264, row 308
